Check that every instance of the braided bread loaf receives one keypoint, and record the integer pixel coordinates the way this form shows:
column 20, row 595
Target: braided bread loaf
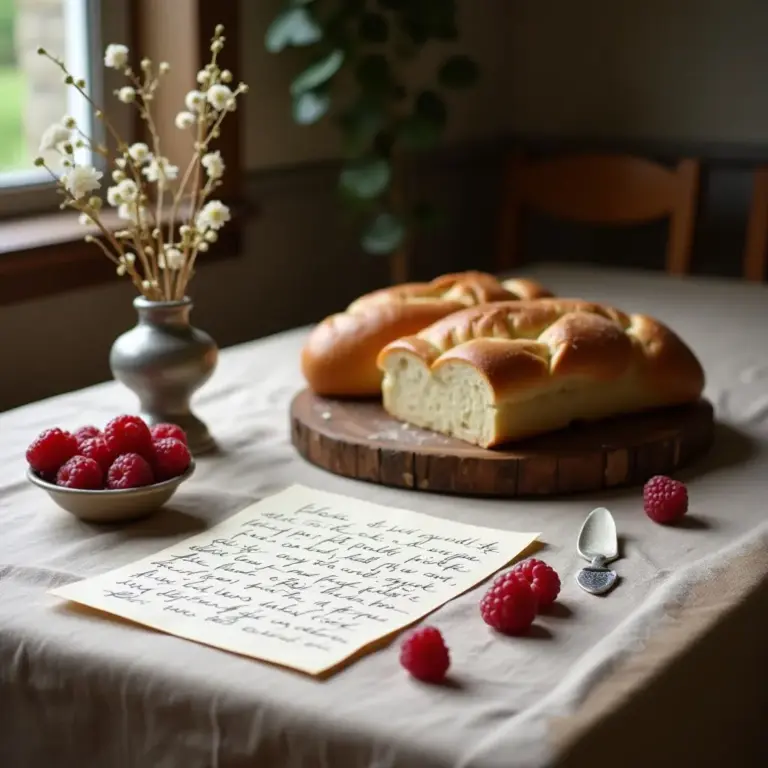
column 339, row 357
column 496, row 373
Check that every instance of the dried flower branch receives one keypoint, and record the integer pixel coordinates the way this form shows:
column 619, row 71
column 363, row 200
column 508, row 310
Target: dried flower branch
column 154, row 254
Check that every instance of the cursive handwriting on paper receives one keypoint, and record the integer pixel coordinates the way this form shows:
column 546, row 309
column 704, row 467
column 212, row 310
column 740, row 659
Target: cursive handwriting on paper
column 306, row 579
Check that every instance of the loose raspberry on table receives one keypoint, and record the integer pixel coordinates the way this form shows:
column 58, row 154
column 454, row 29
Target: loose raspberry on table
column 160, row 431
column 665, row 500
column 50, row 450
column 424, row 654
column 509, row 606
column 82, row 473
column 543, row 579
column 129, row 471
column 129, row 434
column 87, row 433
column 171, row 458
column 97, row 449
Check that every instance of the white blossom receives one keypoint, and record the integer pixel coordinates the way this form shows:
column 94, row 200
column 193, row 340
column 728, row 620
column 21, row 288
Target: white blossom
column 202, row 246
column 53, row 136
column 116, row 56
column 164, row 67
column 81, row 180
column 125, row 261
column 85, row 220
column 213, row 215
column 194, row 101
column 128, row 190
column 172, row 258
column 139, row 152
column 120, row 162
column 213, row 164
column 184, row 120
column 160, row 170
column 129, row 212
column 118, row 175
column 226, row 76
column 220, row 97
column 114, row 198
column 211, row 236
column 69, row 122
column 203, row 76
column 126, row 94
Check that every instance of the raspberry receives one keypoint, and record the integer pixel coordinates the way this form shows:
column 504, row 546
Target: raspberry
column 129, row 471
column 425, row 655
column 543, row 579
column 171, row 458
column 129, row 434
column 509, row 606
column 50, row 450
column 87, row 433
column 160, row 431
column 665, row 500
column 96, row 448
column 82, row 473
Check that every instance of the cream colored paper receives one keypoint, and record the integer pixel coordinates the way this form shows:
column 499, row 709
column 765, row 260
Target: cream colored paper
column 303, row 578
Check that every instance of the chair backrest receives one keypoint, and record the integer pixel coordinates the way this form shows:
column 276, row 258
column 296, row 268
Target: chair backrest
column 601, row 189
column 756, row 250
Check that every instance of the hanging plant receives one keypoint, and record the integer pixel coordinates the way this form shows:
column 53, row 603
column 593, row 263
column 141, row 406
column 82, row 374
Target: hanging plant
column 385, row 117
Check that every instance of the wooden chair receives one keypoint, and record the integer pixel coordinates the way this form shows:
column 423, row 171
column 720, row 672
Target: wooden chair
column 601, row 189
column 756, row 249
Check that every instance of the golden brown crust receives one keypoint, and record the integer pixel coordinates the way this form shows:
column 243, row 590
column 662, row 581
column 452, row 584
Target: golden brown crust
column 570, row 338
column 339, row 357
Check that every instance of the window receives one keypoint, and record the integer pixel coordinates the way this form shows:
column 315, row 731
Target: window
column 42, row 251
column 32, row 92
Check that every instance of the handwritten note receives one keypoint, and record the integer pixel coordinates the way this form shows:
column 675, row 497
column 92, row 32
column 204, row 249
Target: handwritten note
column 303, row 578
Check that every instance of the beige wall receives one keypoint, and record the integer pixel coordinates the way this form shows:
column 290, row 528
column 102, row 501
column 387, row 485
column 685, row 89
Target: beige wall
column 692, row 70
column 681, row 69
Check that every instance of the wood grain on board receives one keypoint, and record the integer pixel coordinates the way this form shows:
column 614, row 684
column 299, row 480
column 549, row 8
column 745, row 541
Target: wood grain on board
column 358, row 439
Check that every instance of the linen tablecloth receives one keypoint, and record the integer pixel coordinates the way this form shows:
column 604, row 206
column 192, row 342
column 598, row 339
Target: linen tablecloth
column 669, row 668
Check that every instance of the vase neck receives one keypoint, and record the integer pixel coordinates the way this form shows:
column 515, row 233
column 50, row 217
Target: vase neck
column 173, row 313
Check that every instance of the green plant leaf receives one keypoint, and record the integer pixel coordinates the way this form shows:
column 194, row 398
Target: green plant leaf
column 359, row 125
column 310, row 106
column 366, row 179
column 294, row 26
column 422, row 129
column 418, row 133
column 458, row 72
column 318, row 73
column 374, row 74
column 374, row 28
column 384, row 235
column 430, row 106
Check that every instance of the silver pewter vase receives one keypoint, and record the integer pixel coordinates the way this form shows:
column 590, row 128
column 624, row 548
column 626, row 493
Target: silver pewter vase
column 164, row 360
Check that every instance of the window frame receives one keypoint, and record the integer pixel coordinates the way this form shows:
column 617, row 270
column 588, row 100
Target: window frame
column 34, row 197
column 43, row 253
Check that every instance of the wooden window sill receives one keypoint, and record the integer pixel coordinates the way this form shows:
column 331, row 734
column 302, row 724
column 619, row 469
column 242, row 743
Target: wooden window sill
column 46, row 255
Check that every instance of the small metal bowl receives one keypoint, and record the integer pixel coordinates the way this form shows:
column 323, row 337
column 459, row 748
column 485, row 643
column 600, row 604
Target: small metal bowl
column 112, row 506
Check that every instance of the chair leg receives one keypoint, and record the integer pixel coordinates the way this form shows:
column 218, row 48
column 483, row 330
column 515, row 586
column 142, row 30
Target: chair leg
column 756, row 250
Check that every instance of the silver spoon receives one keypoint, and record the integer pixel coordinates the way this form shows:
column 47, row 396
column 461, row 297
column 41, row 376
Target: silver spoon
column 599, row 544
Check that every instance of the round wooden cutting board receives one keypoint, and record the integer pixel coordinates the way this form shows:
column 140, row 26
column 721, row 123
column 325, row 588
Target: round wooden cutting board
column 358, row 439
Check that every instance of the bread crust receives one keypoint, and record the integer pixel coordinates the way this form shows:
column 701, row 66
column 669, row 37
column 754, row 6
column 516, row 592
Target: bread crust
column 339, row 356
column 526, row 352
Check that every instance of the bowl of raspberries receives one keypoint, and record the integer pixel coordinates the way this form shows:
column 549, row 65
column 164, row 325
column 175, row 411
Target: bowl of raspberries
column 123, row 472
